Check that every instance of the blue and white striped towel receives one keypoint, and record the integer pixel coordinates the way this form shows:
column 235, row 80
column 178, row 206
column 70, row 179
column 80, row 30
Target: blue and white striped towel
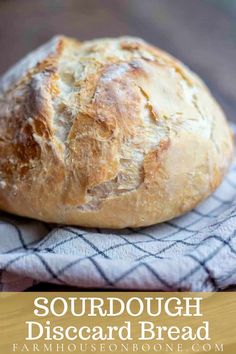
column 196, row 252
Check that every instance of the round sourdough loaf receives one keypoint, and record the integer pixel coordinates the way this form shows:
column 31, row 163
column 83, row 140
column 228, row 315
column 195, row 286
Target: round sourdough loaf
column 107, row 133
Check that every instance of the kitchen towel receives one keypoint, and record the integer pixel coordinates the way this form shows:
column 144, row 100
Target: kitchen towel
column 195, row 252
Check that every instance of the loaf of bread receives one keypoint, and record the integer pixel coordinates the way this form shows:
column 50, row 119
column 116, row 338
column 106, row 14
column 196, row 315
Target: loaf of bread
column 107, row 133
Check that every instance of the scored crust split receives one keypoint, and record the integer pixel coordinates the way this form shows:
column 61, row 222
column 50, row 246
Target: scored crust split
column 107, row 133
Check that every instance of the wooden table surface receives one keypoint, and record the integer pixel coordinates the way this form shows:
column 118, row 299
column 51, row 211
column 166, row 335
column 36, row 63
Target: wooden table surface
column 202, row 33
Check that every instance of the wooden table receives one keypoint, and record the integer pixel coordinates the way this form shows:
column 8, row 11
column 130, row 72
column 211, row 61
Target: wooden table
column 201, row 33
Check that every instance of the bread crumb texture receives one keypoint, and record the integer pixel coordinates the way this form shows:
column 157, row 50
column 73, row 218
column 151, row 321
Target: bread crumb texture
column 107, row 133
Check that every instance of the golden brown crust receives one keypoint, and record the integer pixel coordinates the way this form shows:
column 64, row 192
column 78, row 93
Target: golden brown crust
column 107, row 133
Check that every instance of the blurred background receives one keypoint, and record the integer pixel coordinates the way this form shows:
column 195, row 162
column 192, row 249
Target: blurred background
column 202, row 33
